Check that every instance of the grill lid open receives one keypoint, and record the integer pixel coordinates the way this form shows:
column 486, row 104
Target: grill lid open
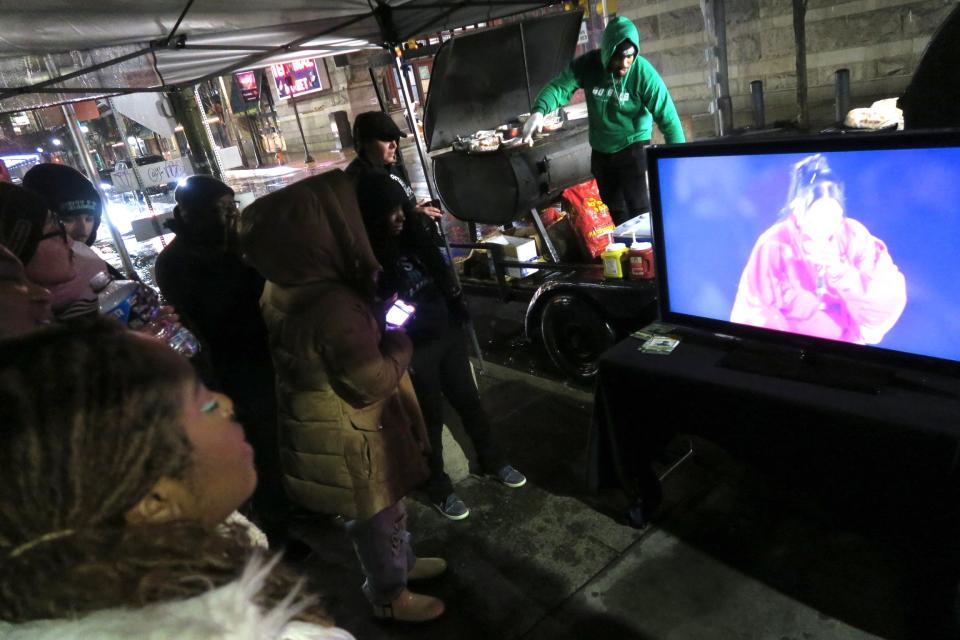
column 485, row 79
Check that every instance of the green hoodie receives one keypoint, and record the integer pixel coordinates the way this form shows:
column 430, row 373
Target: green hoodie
column 615, row 124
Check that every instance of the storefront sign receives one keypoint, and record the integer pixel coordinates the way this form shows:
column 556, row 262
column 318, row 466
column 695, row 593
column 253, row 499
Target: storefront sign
column 86, row 110
column 247, row 81
column 152, row 175
column 583, row 38
column 297, row 77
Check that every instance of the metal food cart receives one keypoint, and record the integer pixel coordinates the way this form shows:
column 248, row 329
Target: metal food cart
column 482, row 80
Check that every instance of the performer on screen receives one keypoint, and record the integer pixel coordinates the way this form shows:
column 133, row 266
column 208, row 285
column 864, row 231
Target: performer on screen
column 817, row 272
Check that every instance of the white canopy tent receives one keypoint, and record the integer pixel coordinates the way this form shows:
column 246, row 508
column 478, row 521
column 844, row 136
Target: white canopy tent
column 56, row 51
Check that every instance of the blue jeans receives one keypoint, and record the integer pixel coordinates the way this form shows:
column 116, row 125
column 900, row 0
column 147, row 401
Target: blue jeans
column 382, row 544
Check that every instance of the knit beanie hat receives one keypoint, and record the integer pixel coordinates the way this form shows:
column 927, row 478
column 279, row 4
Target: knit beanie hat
column 66, row 191
column 22, row 218
column 379, row 193
column 199, row 192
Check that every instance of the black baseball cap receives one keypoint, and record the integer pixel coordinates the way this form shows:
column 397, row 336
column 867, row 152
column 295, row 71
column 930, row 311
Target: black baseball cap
column 376, row 125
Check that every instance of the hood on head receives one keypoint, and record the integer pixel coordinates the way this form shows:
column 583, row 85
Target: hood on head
column 308, row 232
column 618, row 30
column 200, row 192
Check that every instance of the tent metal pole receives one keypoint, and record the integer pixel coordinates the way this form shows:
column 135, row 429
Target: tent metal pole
column 217, row 167
column 412, row 117
column 428, row 175
column 80, row 144
column 84, row 152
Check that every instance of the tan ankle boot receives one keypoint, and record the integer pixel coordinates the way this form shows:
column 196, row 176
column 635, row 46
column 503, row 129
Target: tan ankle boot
column 410, row 607
column 426, row 569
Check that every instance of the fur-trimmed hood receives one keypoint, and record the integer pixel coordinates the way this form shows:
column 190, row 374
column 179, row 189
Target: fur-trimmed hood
column 225, row 613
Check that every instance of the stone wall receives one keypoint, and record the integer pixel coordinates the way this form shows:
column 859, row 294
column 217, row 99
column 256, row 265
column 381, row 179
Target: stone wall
column 879, row 41
column 352, row 91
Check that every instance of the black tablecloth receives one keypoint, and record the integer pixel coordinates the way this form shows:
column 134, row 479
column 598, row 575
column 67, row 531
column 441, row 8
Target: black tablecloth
column 909, row 432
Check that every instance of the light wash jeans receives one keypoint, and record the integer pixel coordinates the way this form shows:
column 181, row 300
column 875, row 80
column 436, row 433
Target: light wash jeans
column 383, row 546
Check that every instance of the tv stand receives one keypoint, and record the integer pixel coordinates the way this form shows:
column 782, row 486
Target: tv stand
column 804, row 366
column 757, row 399
column 892, row 456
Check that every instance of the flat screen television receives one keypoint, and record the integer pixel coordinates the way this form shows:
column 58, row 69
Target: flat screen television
column 845, row 244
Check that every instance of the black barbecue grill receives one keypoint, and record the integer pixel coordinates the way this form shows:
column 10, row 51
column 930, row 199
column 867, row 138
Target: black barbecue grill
column 482, row 80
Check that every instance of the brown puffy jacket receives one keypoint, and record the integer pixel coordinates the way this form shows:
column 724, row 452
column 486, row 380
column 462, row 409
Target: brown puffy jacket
column 351, row 432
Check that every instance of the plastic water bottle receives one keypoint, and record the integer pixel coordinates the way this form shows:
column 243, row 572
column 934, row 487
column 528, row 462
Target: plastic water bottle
column 138, row 307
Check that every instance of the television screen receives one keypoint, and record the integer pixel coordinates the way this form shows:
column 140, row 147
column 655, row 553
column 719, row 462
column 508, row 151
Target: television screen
column 247, row 81
column 853, row 240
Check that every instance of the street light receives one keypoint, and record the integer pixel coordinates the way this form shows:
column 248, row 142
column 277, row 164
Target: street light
column 56, row 142
column 39, row 149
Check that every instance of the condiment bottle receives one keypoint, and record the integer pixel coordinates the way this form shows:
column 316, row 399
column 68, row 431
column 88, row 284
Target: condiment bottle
column 641, row 260
column 635, row 257
column 612, row 258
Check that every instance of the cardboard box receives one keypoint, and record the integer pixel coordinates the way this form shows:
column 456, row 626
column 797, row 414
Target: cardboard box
column 562, row 235
column 519, row 249
column 639, row 226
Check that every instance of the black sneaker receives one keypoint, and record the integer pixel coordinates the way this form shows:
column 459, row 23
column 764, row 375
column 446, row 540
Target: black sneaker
column 510, row 477
column 452, row 507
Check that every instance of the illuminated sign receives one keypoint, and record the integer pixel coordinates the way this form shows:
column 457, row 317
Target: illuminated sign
column 247, row 81
column 297, row 77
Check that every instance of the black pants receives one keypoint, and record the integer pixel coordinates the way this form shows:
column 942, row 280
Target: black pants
column 440, row 368
column 250, row 384
column 622, row 179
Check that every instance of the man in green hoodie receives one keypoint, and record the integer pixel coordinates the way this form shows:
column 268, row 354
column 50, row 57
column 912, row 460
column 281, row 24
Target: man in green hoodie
column 624, row 95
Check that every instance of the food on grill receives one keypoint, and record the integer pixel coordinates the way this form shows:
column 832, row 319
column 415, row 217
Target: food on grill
column 488, row 143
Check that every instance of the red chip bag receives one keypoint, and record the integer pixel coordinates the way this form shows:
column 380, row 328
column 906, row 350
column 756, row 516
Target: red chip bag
column 590, row 216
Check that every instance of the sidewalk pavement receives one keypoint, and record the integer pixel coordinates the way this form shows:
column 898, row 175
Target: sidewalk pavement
column 732, row 554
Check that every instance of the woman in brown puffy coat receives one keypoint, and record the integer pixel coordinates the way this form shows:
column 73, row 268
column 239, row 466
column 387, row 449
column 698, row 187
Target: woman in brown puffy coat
column 352, row 438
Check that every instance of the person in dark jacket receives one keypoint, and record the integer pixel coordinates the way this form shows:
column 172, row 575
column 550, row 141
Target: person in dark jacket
column 377, row 139
column 414, row 271
column 218, row 297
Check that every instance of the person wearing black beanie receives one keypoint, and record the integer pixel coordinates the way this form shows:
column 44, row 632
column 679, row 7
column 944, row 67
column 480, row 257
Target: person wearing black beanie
column 415, row 271
column 71, row 196
column 75, row 201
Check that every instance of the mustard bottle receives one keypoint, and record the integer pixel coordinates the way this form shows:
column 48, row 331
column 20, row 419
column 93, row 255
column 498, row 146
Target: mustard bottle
column 612, row 258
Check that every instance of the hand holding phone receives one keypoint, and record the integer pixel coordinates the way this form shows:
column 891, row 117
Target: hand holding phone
column 399, row 313
column 431, row 208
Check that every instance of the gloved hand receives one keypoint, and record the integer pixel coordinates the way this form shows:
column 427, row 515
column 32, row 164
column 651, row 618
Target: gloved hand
column 534, row 124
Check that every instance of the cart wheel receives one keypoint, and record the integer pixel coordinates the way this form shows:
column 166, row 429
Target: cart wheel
column 574, row 334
